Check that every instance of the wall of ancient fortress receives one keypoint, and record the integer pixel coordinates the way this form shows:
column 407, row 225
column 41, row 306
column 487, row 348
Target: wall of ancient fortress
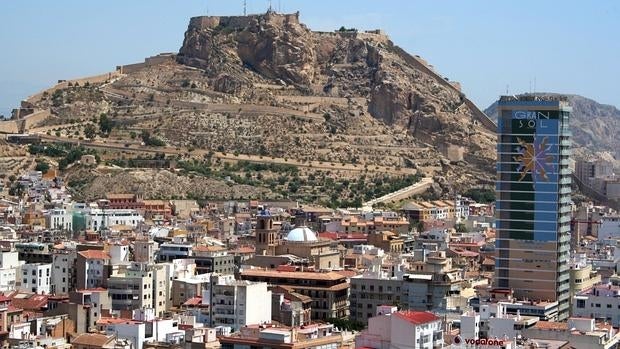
column 9, row 126
column 241, row 21
column 148, row 62
column 421, row 65
column 96, row 79
column 34, row 119
column 24, row 124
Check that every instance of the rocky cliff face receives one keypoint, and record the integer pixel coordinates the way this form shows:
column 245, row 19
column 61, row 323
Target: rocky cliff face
column 595, row 126
column 400, row 89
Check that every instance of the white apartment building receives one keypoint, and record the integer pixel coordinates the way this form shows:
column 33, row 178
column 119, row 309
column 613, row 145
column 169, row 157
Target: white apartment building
column 91, row 268
column 237, row 303
column 601, row 302
column 401, row 329
column 35, row 277
column 60, row 218
column 9, row 267
column 144, row 327
column 131, row 330
column 609, row 228
column 170, row 251
column 119, row 253
column 63, row 271
column 493, row 322
column 580, row 333
column 98, row 218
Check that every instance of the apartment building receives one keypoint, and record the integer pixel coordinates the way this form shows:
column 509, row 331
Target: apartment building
column 601, row 302
column 329, row 291
column 238, row 303
column 35, row 278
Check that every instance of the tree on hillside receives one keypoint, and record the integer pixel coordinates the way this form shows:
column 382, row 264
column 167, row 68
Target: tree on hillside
column 90, row 131
column 105, row 124
column 42, row 166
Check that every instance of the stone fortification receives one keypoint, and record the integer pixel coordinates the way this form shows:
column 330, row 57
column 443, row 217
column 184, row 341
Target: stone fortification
column 241, row 22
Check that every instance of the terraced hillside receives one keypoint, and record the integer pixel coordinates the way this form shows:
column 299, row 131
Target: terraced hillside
column 266, row 89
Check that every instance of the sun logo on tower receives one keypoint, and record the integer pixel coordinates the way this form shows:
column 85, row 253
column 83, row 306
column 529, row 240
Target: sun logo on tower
column 534, row 158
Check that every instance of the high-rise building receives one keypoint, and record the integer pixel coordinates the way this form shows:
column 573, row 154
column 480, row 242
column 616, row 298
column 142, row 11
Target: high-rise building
column 533, row 199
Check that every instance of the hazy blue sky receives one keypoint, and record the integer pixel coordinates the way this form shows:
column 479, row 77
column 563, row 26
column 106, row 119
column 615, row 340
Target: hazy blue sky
column 567, row 46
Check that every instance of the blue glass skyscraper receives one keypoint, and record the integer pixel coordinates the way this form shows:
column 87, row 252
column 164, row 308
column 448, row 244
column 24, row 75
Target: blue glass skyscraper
column 533, row 199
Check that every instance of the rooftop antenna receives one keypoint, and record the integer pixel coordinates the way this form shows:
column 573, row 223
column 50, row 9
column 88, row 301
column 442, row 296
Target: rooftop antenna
column 245, row 7
column 507, row 85
column 534, row 84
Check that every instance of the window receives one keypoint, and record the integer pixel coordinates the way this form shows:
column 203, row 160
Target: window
column 581, row 303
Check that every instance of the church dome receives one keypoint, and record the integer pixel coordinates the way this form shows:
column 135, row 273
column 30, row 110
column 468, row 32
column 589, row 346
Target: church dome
column 301, row 234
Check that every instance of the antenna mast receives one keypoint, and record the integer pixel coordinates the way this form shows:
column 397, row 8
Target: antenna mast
column 245, row 6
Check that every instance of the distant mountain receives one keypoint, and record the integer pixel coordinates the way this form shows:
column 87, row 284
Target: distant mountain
column 595, row 126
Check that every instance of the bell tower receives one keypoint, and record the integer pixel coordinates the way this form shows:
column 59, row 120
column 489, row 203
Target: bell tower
column 266, row 236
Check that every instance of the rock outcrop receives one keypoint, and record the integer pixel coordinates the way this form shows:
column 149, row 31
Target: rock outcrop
column 402, row 90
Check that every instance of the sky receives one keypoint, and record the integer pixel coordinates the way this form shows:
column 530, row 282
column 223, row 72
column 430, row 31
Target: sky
column 491, row 47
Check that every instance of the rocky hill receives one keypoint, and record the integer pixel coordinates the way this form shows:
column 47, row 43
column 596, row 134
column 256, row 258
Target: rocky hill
column 595, row 126
column 269, row 90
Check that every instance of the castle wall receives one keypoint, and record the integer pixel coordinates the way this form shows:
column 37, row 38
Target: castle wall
column 130, row 68
column 148, row 62
column 239, row 22
column 9, row 126
column 96, row 79
column 418, row 63
column 34, row 119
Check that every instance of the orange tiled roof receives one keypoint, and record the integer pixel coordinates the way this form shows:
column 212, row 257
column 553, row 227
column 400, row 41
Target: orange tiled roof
column 347, row 273
column 29, row 302
column 293, row 275
column 203, row 248
column 417, row 317
column 92, row 339
column 114, row 321
column 548, row 325
column 244, row 249
column 94, row 254
column 193, row 301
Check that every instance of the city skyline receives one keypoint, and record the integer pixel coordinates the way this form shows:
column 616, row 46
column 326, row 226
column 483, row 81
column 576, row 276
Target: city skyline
column 36, row 58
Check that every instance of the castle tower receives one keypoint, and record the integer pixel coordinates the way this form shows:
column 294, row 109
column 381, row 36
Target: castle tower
column 266, row 236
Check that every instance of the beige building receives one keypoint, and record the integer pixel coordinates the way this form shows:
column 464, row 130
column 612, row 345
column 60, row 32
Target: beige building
column 329, row 291
column 301, row 242
column 581, row 275
column 141, row 285
column 387, row 241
